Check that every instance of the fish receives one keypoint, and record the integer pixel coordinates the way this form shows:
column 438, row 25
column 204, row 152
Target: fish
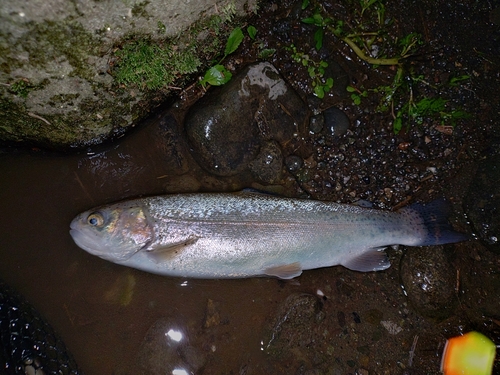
column 247, row 234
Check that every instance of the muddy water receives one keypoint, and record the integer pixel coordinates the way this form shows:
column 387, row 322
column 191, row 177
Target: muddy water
column 116, row 320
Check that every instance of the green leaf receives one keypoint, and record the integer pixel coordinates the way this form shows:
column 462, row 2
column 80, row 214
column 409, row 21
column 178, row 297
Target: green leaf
column 319, row 91
column 311, row 71
column 329, row 83
column 397, row 124
column 318, row 38
column 356, row 99
column 216, row 76
column 308, row 20
column 305, row 3
column 350, row 89
column 252, row 31
column 456, row 80
column 266, row 53
column 234, row 41
column 318, row 19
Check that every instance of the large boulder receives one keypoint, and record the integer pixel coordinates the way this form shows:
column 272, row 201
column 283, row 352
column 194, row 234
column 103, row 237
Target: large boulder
column 246, row 123
column 58, row 60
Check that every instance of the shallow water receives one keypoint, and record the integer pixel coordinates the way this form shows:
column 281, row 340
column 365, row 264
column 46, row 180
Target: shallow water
column 117, row 320
column 103, row 311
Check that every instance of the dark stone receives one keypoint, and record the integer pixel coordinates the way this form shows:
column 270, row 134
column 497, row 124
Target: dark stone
column 429, row 280
column 294, row 163
column 336, row 122
column 268, row 164
column 316, row 123
column 227, row 127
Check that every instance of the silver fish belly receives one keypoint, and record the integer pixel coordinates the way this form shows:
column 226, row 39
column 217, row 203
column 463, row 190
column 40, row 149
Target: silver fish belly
column 245, row 234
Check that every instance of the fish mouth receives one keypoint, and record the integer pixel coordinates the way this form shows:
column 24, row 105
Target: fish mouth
column 85, row 241
column 97, row 245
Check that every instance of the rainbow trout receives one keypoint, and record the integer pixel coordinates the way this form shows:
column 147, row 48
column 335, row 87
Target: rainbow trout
column 246, row 234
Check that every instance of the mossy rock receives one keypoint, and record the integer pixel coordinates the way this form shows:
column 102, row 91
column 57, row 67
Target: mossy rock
column 73, row 75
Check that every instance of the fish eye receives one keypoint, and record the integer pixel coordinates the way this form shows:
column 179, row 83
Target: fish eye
column 95, row 219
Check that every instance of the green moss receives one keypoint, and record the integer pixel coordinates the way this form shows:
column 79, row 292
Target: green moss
column 147, row 64
column 154, row 65
column 162, row 29
column 139, row 10
column 50, row 40
column 56, row 131
column 21, row 88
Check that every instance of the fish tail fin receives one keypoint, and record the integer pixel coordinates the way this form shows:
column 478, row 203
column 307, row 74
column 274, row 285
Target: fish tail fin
column 437, row 229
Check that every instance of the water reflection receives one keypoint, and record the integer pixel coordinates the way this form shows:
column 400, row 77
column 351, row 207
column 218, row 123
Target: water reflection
column 174, row 335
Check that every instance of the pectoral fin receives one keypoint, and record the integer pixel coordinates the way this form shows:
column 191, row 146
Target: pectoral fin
column 170, row 251
column 285, row 271
column 374, row 259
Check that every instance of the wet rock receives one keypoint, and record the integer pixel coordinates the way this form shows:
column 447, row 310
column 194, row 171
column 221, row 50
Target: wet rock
column 482, row 203
column 294, row 163
column 429, row 280
column 165, row 349
column 58, row 89
column 268, row 164
column 336, row 122
column 229, row 126
column 316, row 123
column 172, row 145
column 292, row 328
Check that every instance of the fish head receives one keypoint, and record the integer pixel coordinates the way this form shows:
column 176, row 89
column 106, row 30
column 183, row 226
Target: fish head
column 114, row 233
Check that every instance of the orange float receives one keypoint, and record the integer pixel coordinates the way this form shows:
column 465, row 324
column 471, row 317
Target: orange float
column 469, row 354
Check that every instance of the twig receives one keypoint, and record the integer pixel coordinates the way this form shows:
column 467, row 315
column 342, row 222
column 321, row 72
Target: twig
column 370, row 60
column 412, row 351
column 83, row 187
column 39, row 118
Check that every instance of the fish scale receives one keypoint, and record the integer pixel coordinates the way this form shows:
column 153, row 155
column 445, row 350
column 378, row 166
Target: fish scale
column 226, row 235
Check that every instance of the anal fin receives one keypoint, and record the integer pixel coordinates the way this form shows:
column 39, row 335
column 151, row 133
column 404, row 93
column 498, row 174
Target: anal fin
column 374, row 259
column 285, row 271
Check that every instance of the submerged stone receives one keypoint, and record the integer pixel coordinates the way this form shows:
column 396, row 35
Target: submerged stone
column 429, row 280
column 268, row 164
column 229, row 126
column 291, row 331
column 165, row 349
